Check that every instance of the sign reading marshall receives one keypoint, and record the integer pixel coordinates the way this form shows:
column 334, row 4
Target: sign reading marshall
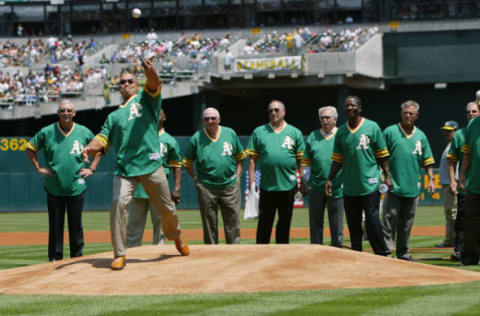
column 278, row 63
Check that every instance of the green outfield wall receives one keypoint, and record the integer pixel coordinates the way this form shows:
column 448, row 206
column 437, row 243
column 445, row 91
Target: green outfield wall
column 21, row 187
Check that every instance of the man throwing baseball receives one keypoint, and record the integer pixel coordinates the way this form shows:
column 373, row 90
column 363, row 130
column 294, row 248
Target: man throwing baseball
column 132, row 130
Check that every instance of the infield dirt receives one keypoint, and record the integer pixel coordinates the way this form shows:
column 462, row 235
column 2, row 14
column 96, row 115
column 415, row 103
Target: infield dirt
column 224, row 268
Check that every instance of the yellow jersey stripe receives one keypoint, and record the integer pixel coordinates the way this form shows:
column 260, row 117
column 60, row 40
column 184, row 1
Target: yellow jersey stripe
column 241, row 155
column 337, row 157
column 31, row 147
column 252, row 153
column 466, row 149
column 174, row 163
column 428, row 161
column 382, row 153
column 187, row 162
column 452, row 157
column 102, row 139
column 156, row 93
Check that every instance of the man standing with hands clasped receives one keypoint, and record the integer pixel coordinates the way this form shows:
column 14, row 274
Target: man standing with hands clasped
column 132, row 130
column 409, row 151
column 360, row 148
column 65, row 174
column 218, row 155
column 278, row 147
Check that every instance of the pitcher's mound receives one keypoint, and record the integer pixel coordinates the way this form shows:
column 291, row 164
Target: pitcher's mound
column 222, row 268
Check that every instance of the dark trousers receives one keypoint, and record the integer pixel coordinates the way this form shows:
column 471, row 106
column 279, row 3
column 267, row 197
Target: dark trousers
column 460, row 223
column 472, row 229
column 269, row 202
column 317, row 203
column 56, row 219
column 354, row 208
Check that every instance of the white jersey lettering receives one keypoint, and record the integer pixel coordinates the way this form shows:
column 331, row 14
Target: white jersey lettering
column 135, row 111
column 288, row 142
column 227, row 149
column 364, row 142
column 77, row 148
column 418, row 148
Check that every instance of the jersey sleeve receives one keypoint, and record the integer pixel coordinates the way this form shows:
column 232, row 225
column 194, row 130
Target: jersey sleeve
column 427, row 153
column 104, row 136
column 252, row 147
column 454, row 151
column 466, row 145
column 154, row 99
column 37, row 142
column 300, row 142
column 379, row 145
column 307, row 154
column 337, row 154
column 174, row 156
column 190, row 153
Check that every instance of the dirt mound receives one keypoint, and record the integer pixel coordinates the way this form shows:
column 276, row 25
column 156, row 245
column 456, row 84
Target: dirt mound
column 221, row 269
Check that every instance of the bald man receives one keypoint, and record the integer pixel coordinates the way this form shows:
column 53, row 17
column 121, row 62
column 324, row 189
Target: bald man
column 217, row 153
column 65, row 174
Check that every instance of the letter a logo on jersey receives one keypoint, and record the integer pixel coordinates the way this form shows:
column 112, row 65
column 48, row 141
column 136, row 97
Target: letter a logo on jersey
column 77, row 148
column 135, row 111
column 227, row 149
column 364, row 142
column 288, row 142
column 418, row 148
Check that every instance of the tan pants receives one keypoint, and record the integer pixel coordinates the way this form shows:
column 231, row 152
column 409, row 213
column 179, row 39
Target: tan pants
column 450, row 210
column 137, row 217
column 156, row 186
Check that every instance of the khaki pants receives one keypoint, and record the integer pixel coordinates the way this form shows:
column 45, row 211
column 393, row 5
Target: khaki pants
column 156, row 186
column 450, row 209
column 137, row 216
column 228, row 200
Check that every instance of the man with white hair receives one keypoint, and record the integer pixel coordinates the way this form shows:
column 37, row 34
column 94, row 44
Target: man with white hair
column 455, row 157
column 217, row 154
column 409, row 151
column 65, row 174
column 477, row 95
column 317, row 155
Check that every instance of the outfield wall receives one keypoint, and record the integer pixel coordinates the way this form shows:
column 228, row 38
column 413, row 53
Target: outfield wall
column 21, row 187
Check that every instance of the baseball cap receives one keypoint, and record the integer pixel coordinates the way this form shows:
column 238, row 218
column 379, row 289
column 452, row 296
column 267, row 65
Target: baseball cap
column 449, row 126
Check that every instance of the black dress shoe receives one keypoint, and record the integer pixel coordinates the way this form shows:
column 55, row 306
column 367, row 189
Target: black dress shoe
column 406, row 258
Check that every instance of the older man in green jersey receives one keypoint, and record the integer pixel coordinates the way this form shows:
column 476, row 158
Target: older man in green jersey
column 217, row 154
column 471, row 184
column 139, row 206
column 359, row 149
column 65, row 174
column 278, row 147
column 409, row 151
column 132, row 130
column 455, row 157
column 318, row 153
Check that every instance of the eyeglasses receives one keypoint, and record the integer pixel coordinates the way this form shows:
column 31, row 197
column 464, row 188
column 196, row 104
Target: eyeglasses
column 273, row 110
column 210, row 118
column 65, row 110
column 124, row 81
column 325, row 117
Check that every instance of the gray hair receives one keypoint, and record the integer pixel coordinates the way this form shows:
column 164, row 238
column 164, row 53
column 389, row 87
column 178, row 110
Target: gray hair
column 470, row 103
column 410, row 103
column 214, row 110
column 279, row 102
column 328, row 108
column 477, row 94
column 65, row 101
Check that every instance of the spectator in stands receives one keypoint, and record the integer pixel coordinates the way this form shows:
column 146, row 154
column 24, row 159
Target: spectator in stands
column 65, row 175
column 227, row 60
column 152, row 37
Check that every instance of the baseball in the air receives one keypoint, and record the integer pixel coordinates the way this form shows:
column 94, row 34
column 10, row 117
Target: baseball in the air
column 136, row 13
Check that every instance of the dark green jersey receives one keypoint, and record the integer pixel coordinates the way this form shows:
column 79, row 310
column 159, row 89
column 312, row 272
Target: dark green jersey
column 215, row 159
column 63, row 156
column 277, row 154
column 132, row 130
column 358, row 150
column 318, row 153
column 455, row 153
column 472, row 147
column 408, row 154
column 171, row 157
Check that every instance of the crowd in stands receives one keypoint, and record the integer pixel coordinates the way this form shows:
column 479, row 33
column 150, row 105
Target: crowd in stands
column 347, row 40
column 288, row 43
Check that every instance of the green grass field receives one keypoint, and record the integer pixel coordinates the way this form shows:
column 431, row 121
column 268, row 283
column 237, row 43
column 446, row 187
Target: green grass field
column 458, row 299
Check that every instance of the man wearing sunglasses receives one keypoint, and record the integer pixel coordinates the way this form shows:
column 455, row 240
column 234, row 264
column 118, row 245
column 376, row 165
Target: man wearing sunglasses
column 132, row 130
column 278, row 147
column 65, row 173
column 217, row 154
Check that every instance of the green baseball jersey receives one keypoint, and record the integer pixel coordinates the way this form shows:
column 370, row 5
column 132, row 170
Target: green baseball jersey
column 408, row 153
column 171, row 157
column 455, row 153
column 277, row 154
column 358, row 150
column 62, row 153
column 132, row 130
column 215, row 159
column 472, row 148
column 318, row 153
